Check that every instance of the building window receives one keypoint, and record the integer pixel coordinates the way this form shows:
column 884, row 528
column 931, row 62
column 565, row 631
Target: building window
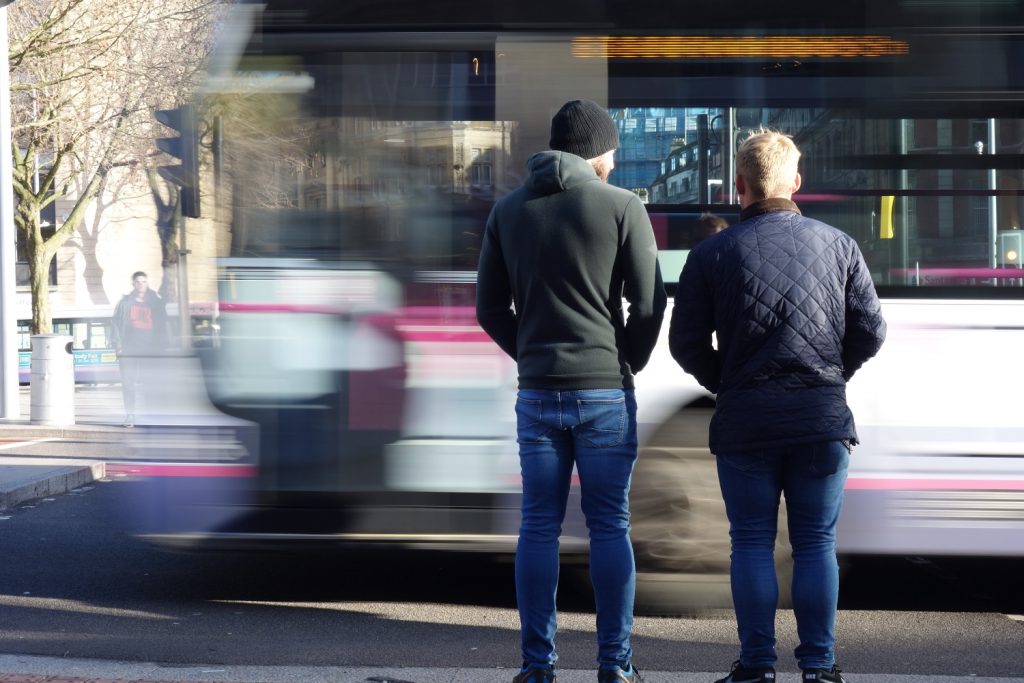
column 481, row 170
column 436, row 161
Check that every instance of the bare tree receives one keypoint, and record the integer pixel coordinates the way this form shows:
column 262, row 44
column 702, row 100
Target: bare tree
column 269, row 140
column 86, row 76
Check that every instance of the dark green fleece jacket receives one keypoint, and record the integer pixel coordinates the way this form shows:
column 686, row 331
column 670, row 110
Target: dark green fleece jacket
column 559, row 255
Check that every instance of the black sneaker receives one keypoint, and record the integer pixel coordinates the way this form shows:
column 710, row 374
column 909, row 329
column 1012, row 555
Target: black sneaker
column 741, row 674
column 619, row 676
column 535, row 676
column 833, row 675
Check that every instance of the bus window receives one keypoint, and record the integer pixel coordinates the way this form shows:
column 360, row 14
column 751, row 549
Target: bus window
column 99, row 335
column 923, row 197
column 24, row 336
column 80, row 334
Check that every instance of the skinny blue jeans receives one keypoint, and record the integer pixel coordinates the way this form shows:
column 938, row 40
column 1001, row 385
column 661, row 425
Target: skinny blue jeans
column 595, row 430
column 812, row 477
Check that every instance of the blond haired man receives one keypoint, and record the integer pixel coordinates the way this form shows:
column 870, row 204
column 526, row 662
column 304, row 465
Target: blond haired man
column 796, row 314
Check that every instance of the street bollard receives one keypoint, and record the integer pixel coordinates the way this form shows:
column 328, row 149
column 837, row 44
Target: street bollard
column 52, row 380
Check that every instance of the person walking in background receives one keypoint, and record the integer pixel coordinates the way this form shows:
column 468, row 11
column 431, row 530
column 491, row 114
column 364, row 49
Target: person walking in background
column 559, row 254
column 796, row 314
column 708, row 224
column 139, row 331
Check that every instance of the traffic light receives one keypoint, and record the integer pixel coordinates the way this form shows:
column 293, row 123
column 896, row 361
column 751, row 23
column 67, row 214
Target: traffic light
column 185, row 147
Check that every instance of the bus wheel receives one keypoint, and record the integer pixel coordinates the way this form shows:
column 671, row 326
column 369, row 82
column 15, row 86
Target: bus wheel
column 680, row 534
column 680, row 531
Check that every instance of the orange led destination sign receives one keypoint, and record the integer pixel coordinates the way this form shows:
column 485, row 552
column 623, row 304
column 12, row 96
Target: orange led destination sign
column 775, row 47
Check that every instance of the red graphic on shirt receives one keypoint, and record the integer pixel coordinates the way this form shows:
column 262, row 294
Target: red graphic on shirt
column 140, row 317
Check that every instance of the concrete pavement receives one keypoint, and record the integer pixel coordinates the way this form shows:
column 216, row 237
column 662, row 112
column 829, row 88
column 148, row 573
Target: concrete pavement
column 181, row 405
column 54, row 670
column 23, row 479
column 27, row 479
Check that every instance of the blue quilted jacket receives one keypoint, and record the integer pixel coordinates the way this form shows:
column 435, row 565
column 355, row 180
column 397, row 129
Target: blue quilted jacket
column 795, row 314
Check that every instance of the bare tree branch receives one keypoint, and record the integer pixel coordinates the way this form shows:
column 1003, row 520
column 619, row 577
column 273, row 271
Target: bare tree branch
column 86, row 76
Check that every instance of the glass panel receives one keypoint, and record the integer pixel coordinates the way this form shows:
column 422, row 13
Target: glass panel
column 395, row 157
column 391, row 192
column 354, row 165
column 932, row 202
column 99, row 335
column 24, row 336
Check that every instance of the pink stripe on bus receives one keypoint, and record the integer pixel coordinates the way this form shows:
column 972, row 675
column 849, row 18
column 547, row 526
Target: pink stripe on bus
column 869, row 484
column 434, row 324
column 444, row 335
column 439, row 312
column 445, row 313
column 235, row 307
column 182, row 470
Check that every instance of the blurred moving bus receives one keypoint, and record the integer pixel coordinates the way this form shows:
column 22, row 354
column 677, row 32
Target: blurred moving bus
column 366, row 143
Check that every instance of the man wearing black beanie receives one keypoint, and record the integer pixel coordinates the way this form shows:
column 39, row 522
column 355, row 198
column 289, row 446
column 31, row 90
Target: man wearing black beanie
column 559, row 255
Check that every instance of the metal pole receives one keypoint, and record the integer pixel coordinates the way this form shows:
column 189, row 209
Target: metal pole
column 903, row 256
column 993, row 200
column 184, row 314
column 10, row 405
column 703, row 145
column 729, row 156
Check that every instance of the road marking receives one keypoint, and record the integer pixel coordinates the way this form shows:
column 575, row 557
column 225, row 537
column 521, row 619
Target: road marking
column 1015, row 617
column 18, row 444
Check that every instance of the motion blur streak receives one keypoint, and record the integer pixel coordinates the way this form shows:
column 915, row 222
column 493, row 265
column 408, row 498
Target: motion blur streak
column 952, row 484
column 343, row 374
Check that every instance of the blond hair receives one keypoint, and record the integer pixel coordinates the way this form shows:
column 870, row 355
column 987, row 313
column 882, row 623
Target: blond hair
column 767, row 160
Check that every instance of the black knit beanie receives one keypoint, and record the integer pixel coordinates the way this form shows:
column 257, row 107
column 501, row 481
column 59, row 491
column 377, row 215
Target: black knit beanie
column 583, row 128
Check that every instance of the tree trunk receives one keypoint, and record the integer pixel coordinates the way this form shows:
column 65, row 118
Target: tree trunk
column 39, row 269
column 167, row 216
column 39, row 259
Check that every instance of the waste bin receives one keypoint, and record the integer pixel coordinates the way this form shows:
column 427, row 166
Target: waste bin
column 52, row 380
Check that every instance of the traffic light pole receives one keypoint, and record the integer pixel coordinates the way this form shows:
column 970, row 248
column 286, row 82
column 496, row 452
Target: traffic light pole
column 184, row 310
column 186, row 177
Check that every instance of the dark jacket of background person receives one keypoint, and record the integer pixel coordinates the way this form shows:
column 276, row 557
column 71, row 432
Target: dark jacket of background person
column 126, row 338
column 566, row 247
column 796, row 314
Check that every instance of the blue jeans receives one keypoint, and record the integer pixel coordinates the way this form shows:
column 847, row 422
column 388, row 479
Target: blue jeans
column 812, row 477
column 595, row 430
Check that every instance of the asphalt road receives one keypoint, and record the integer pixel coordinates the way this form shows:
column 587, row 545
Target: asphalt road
column 73, row 583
